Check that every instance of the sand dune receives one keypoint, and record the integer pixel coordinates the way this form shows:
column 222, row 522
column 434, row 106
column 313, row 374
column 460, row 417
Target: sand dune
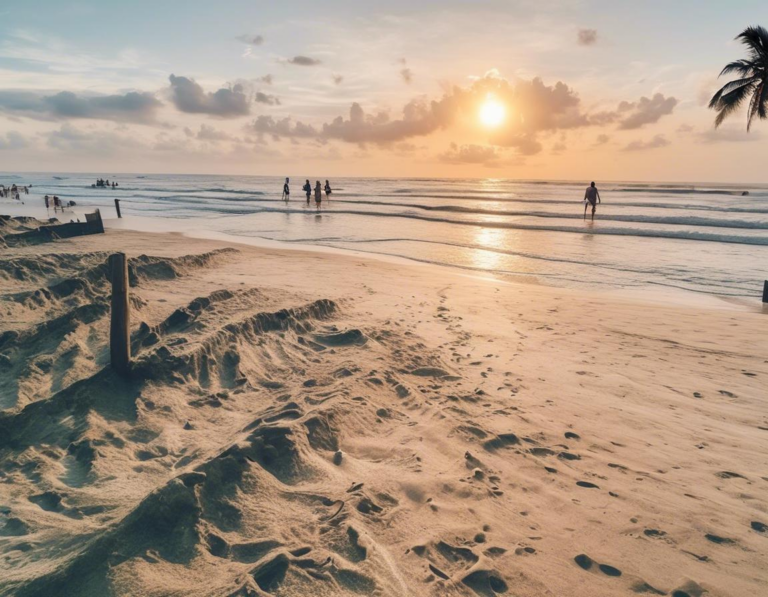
column 313, row 424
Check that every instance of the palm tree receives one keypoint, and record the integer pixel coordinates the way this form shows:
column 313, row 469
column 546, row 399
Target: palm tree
column 752, row 82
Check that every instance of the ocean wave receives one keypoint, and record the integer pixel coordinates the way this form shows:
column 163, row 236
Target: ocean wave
column 639, row 232
column 576, row 215
column 680, row 191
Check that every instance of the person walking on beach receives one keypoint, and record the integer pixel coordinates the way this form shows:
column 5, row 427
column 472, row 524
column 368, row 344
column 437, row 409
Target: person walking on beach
column 591, row 197
column 318, row 194
column 328, row 190
column 286, row 190
column 308, row 190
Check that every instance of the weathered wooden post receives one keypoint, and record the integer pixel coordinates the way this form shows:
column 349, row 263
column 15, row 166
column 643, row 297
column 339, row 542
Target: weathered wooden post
column 119, row 335
column 117, row 207
column 765, row 291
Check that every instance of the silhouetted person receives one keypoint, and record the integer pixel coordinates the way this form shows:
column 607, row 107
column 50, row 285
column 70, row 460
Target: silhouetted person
column 46, row 203
column 307, row 188
column 286, row 190
column 591, row 197
column 327, row 190
column 318, row 194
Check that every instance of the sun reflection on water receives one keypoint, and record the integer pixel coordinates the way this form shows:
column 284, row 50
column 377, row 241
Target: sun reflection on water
column 491, row 238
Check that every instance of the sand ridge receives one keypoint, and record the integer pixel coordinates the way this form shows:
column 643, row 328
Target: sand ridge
column 317, row 424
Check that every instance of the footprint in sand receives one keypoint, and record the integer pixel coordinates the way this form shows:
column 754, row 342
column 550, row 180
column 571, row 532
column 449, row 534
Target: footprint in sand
column 729, row 475
column 719, row 540
column 586, row 563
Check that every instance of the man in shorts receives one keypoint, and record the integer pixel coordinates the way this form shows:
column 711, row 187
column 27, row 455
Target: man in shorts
column 591, row 197
column 286, row 190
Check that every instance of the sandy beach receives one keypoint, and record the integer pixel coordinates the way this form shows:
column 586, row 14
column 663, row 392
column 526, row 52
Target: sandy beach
column 306, row 423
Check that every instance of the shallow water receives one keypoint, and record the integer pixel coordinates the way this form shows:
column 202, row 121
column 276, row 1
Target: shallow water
column 701, row 238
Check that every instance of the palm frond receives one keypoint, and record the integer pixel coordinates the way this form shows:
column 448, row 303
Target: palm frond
column 730, row 102
column 753, row 106
column 744, row 68
column 729, row 87
column 756, row 40
column 760, row 101
column 753, row 81
column 762, row 110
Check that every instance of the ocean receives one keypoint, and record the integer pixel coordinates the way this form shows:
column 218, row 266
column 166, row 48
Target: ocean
column 699, row 238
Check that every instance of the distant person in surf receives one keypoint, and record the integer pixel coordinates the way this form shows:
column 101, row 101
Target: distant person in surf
column 307, row 188
column 286, row 190
column 318, row 194
column 327, row 190
column 591, row 197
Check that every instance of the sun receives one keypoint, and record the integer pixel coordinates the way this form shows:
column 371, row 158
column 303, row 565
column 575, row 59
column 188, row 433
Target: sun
column 492, row 112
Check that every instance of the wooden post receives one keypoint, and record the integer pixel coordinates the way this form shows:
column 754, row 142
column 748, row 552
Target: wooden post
column 119, row 333
column 765, row 291
column 117, row 207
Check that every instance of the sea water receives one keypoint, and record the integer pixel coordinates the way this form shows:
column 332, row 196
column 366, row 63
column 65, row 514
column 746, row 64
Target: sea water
column 701, row 238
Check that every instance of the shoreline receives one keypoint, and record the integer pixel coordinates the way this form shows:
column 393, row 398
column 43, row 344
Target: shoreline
column 658, row 295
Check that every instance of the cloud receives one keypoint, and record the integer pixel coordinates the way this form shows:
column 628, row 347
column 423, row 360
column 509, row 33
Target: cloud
column 338, row 79
column 267, row 79
column 71, row 139
column 602, row 140
column 419, row 118
column 12, row 140
column 285, row 127
column 129, row 107
column 587, row 37
column 250, row 39
column 559, row 148
column 525, row 143
column 208, row 133
column 645, row 111
column 487, row 155
column 542, row 107
column 407, row 75
column 266, row 98
column 535, row 109
column 655, row 143
column 635, row 115
column 303, row 61
column 538, row 108
column 188, row 96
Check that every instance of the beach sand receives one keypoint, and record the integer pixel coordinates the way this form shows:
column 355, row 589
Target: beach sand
column 302, row 423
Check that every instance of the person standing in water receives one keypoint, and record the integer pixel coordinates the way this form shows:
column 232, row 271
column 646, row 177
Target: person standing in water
column 318, row 194
column 286, row 190
column 591, row 197
column 327, row 190
column 308, row 190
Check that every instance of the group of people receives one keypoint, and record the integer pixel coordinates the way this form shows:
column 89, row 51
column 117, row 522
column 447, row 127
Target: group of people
column 14, row 191
column 104, row 183
column 307, row 188
column 58, row 204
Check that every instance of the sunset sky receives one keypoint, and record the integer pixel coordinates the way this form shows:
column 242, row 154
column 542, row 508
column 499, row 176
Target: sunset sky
column 549, row 89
